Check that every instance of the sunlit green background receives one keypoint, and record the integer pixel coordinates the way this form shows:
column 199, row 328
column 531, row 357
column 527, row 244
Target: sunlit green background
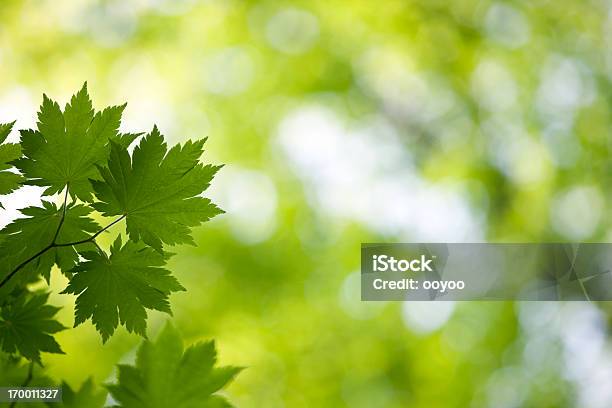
column 341, row 123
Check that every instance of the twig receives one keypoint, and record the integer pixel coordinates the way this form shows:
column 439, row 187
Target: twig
column 90, row 239
column 55, row 245
column 24, row 263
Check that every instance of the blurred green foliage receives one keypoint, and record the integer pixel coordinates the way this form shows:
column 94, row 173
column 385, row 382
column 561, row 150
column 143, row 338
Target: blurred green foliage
column 344, row 123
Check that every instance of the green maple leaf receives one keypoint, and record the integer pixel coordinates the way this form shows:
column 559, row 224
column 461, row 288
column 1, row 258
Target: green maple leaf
column 26, row 237
column 67, row 145
column 157, row 190
column 9, row 152
column 27, row 325
column 85, row 397
column 167, row 376
column 120, row 287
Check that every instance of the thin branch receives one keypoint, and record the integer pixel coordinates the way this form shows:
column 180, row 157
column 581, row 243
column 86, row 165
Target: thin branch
column 24, row 263
column 54, row 245
column 45, row 249
column 90, row 239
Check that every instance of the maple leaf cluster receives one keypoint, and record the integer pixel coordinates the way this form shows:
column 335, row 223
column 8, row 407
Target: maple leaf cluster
column 154, row 194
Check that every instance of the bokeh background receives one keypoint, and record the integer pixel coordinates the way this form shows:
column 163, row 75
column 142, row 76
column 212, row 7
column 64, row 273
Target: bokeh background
column 342, row 123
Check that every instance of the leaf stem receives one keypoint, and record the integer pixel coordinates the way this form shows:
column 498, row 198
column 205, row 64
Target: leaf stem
column 59, row 226
column 55, row 245
column 90, row 239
